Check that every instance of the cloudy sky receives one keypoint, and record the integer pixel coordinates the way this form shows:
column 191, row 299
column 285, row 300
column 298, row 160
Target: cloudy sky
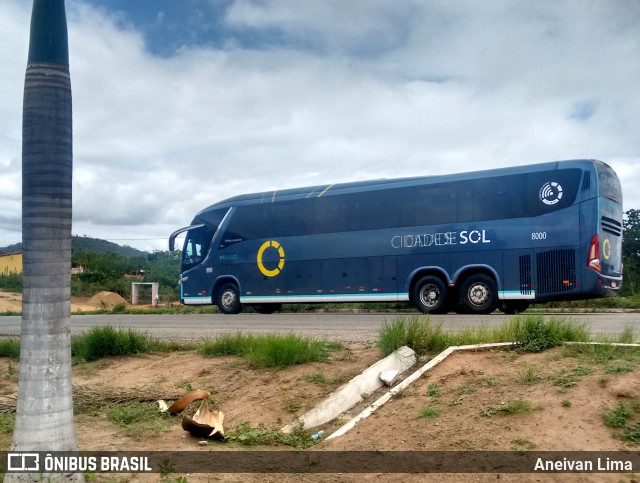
column 179, row 104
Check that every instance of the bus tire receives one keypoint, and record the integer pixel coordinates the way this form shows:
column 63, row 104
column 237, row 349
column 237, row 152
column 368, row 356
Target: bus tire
column 228, row 299
column 267, row 308
column 430, row 295
column 513, row 307
column 479, row 294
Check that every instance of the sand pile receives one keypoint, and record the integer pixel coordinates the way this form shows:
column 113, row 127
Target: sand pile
column 109, row 299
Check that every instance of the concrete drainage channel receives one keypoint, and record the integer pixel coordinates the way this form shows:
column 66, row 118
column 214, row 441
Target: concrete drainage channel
column 375, row 377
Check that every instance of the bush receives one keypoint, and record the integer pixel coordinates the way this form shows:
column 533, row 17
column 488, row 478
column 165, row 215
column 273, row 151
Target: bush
column 10, row 348
column 272, row 350
column 107, row 341
column 237, row 344
column 11, row 282
column 534, row 334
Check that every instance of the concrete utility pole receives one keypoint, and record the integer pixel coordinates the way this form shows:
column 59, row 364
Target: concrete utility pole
column 44, row 416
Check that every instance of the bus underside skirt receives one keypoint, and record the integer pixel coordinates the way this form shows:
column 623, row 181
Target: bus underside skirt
column 200, row 300
column 385, row 297
column 515, row 295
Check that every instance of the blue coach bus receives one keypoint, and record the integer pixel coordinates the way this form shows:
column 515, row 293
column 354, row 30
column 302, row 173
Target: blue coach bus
column 474, row 242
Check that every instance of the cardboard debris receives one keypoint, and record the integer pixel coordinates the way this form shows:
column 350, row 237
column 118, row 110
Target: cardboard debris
column 182, row 403
column 205, row 423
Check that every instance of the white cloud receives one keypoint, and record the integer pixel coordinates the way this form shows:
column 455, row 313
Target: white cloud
column 334, row 91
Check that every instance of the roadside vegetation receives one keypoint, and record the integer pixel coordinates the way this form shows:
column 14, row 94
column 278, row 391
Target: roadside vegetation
column 271, row 350
column 532, row 332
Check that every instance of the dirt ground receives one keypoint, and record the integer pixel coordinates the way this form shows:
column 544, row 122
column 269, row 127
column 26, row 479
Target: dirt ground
column 566, row 396
column 12, row 302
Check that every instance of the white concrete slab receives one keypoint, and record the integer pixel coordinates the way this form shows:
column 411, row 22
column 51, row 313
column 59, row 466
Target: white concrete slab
column 351, row 393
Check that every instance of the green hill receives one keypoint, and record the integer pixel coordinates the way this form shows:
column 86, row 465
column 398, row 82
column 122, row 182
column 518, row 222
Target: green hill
column 85, row 244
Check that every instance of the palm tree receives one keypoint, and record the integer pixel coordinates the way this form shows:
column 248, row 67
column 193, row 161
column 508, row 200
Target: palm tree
column 44, row 416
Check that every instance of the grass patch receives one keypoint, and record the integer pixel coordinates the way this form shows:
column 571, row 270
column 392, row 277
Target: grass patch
column 10, row 348
column 315, row 378
column 620, row 417
column 237, row 344
column 631, row 434
column 139, row 419
column 424, row 337
column 618, row 368
column 246, row 435
column 430, row 412
column 617, row 417
column 433, row 391
column 535, row 334
column 108, row 341
column 532, row 332
column 604, row 352
column 271, row 350
column 627, row 336
column 528, row 375
column 518, row 406
column 7, row 420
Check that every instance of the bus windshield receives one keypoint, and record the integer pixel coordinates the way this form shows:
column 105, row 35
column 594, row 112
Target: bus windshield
column 196, row 246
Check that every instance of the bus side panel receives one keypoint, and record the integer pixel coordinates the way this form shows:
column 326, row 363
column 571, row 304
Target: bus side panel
column 304, row 277
column 383, row 276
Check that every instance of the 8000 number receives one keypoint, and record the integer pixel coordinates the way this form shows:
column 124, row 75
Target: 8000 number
column 539, row 235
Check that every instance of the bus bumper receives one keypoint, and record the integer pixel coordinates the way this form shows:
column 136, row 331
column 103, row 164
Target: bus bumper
column 602, row 285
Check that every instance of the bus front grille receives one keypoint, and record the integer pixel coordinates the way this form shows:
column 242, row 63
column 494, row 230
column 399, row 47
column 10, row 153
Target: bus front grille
column 556, row 271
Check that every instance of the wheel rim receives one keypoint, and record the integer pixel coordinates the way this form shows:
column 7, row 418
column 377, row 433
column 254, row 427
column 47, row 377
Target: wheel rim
column 228, row 298
column 429, row 295
column 479, row 294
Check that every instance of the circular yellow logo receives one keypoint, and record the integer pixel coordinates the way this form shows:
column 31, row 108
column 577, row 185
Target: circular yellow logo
column 264, row 270
column 606, row 248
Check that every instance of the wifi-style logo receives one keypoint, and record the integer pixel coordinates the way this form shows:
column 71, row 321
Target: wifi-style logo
column 551, row 193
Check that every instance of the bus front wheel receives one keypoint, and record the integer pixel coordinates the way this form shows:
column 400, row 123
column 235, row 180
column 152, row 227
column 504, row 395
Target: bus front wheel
column 479, row 294
column 430, row 295
column 228, row 300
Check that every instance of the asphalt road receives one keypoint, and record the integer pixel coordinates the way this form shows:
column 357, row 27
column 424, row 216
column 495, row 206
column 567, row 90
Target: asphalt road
column 345, row 327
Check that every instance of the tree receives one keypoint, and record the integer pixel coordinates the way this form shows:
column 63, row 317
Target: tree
column 44, row 415
column 631, row 251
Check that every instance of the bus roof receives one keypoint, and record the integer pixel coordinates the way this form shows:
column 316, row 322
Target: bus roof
column 384, row 183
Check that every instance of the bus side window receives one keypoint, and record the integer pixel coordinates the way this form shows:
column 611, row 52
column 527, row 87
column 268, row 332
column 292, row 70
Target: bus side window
column 499, row 198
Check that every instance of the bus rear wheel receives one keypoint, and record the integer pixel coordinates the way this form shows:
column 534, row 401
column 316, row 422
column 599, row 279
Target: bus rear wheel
column 479, row 294
column 430, row 295
column 228, row 299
